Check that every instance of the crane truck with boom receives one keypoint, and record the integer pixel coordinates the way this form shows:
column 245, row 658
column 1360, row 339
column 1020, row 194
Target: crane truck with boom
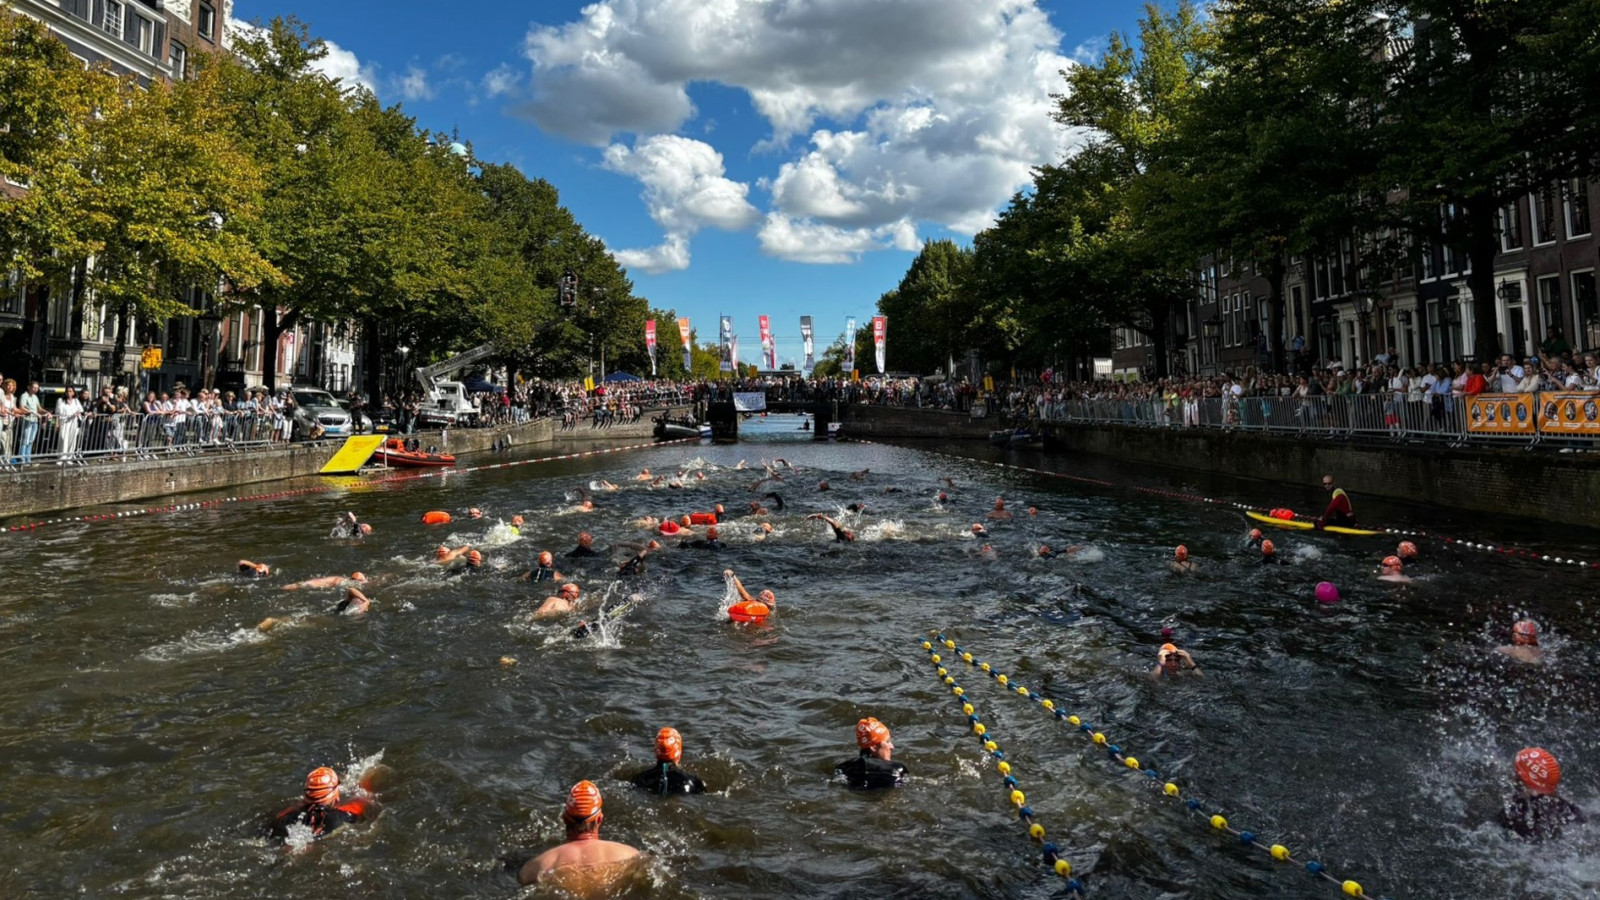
column 446, row 403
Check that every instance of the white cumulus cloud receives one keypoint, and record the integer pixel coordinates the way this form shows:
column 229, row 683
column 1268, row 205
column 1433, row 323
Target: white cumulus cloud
column 414, row 84
column 338, row 65
column 685, row 189
column 882, row 112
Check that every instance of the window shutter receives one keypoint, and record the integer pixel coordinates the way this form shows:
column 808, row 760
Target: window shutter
column 131, row 22
column 79, row 8
column 158, row 44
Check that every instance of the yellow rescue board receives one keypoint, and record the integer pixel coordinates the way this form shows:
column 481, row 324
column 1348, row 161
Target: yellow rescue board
column 1306, row 525
column 354, row 454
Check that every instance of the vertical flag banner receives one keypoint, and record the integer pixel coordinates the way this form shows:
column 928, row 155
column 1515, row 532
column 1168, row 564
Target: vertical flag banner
column 683, row 333
column 725, row 344
column 805, row 339
column 650, row 344
column 880, row 325
column 769, row 348
column 733, row 348
column 848, row 364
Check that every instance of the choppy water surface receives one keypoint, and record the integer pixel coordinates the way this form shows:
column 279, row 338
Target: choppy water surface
column 147, row 727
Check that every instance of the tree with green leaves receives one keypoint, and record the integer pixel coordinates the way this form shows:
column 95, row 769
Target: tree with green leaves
column 931, row 308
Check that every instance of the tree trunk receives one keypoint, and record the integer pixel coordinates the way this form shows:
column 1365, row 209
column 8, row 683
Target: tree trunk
column 1160, row 322
column 119, row 350
column 1482, row 245
column 272, row 328
column 372, row 371
column 1275, row 273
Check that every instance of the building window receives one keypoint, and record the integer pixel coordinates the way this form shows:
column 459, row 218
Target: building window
column 111, row 20
column 1510, row 228
column 145, row 35
column 1577, row 203
column 11, row 290
column 1586, row 314
column 178, row 59
column 206, row 22
column 1548, row 292
column 1544, row 205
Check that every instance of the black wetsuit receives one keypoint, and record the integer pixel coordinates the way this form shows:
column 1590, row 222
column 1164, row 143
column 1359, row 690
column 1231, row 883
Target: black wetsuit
column 542, row 573
column 320, row 819
column 1539, row 817
column 777, row 500
column 702, row 544
column 1272, row 560
column 666, row 778
column 634, row 566
column 840, row 535
column 869, row 772
column 581, row 551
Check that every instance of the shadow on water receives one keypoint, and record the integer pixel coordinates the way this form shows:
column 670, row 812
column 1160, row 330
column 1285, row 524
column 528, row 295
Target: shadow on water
column 148, row 726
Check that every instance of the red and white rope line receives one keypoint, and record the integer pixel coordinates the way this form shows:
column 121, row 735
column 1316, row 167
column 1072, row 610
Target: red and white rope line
column 320, row 489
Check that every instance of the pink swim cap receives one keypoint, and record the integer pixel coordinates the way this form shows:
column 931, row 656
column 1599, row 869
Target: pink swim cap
column 1327, row 593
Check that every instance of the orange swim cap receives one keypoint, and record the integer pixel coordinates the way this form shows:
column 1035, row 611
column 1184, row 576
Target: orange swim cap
column 1182, row 553
column 685, row 521
column 441, row 551
column 1526, row 629
column 870, row 733
column 712, row 532
column 545, row 558
column 766, row 527
column 475, row 512
column 977, row 528
column 322, row 786
column 1392, row 562
column 583, row 802
column 669, row 745
column 517, row 521
column 1538, row 770
column 1255, row 534
column 1169, row 648
column 357, row 576
column 1268, row 548
column 1407, row 550
column 571, row 588
column 475, row 557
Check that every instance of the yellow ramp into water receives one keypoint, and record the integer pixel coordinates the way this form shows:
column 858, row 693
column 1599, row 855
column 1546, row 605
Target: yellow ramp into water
column 354, row 454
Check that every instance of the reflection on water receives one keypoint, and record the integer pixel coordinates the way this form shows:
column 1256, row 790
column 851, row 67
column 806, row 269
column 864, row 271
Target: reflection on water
column 149, row 724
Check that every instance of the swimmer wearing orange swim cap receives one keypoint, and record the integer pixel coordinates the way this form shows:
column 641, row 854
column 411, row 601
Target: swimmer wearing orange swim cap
column 749, row 609
column 320, row 808
column 584, row 865
column 874, row 768
column 665, row 777
column 1172, row 662
column 1535, row 812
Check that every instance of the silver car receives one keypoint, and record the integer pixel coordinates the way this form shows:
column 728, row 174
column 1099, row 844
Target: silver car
column 317, row 414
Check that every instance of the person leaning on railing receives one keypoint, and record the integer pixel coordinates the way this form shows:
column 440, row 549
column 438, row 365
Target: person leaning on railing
column 8, row 419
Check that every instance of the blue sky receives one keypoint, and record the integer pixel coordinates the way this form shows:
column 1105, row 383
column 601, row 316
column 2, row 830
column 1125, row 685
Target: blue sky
column 740, row 157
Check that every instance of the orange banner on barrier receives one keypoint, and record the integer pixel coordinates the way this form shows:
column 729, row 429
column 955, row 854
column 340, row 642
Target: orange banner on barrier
column 1569, row 414
column 1501, row 414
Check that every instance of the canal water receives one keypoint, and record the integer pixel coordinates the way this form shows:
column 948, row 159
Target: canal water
column 147, row 727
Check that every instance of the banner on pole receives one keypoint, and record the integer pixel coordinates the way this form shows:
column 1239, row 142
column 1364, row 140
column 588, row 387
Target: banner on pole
column 650, row 343
column 880, row 325
column 769, row 348
column 805, row 340
column 734, row 343
column 848, row 363
column 725, row 344
column 683, row 333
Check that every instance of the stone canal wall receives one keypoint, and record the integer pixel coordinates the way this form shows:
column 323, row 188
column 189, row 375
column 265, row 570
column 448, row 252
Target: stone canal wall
column 46, row 488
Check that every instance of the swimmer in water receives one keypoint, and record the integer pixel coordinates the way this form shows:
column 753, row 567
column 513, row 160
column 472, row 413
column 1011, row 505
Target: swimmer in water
column 841, row 534
column 748, row 608
column 999, row 513
column 874, row 768
column 979, row 531
column 584, row 864
column 1172, row 662
column 822, row 485
column 348, row 526
column 1391, row 570
column 565, row 601
column 635, row 564
column 1046, row 553
column 861, row 475
column 320, row 808
column 474, row 513
column 756, row 509
column 585, row 546
column 544, row 569
column 472, row 561
column 254, row 569
column 602, row 485
column 1524, row 646
column 665, row 777
column 644, row 475
column 776, row 498
column 1033, row 511
column 445, row 556
column 1269, row 555
column 1534, row 811
column 857, row 507
column 1181, row 563
column 354, row 603
column 941, row 498
column 1407, row 552
column 1253, row 539
column 327, row 581
column 516, row 525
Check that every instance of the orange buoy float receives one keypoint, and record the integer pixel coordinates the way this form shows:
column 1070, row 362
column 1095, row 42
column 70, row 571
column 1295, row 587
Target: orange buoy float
column 702, row 518
column 749, row 611
column 1286, row 514
column 436, row 517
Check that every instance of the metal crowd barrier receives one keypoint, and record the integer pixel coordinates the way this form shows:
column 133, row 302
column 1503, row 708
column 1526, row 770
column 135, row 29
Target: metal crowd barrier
column 92, row 436
column 1405, row 417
